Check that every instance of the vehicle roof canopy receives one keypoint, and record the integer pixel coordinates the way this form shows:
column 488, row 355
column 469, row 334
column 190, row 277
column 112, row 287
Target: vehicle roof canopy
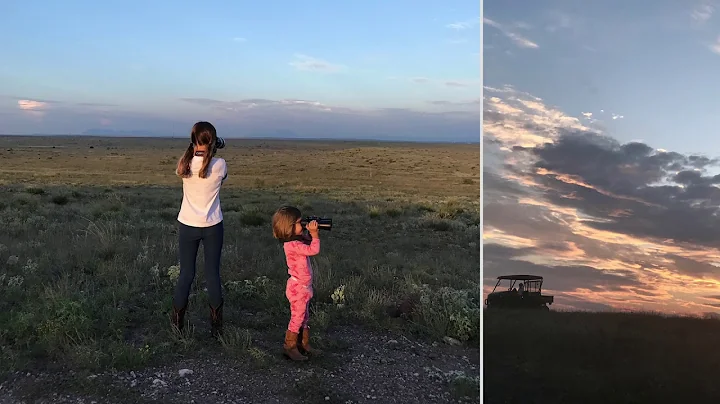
column 521, row 277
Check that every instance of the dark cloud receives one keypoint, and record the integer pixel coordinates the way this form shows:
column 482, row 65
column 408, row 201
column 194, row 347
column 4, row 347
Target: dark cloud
column 500, row 260
column 692, row 267
column 530, row 221
column 551, row 196
column 493, row 182
column 618, row 183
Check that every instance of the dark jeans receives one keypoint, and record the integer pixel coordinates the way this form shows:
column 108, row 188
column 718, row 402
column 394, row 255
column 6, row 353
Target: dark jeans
column 212, row 239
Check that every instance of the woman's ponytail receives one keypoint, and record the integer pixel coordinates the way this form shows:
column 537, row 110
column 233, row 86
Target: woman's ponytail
column 183, row 166
column 207, row 158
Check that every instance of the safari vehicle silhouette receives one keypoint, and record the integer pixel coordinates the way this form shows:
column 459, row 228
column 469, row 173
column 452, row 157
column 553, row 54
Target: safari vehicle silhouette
column 526, row 295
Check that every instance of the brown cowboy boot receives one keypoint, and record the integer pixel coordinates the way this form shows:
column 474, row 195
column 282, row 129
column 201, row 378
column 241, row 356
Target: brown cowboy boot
column 290, row 347
column 216, row 320
column 304, row 343
column 178, row 317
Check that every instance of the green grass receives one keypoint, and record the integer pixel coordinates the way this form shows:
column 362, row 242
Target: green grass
column 87, row 270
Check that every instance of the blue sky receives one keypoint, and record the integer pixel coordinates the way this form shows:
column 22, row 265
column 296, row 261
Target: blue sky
column 372, row 69
column 600, row 156
column 655, row 63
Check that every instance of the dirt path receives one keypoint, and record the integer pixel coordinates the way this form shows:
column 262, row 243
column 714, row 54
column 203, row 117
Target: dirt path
column 361, row 367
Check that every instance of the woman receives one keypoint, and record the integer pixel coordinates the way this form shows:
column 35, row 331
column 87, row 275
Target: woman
column 200, row 219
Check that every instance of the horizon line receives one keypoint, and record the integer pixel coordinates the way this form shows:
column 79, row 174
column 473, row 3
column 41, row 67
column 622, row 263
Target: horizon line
column 130, row 136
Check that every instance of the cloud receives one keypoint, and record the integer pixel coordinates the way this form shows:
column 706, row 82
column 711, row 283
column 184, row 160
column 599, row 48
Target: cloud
column 520, row 119
column 31, row 105
column 256, row 103
column 456, row 84
column 468, row 83
column 609, row 224
column 449, row 120
column 616, row 116
column 715, row 47
column 559, row 20
column 702, row 12
column 475, row 102
column 516, row 38
column 239, row 39
column 309, row 63
column 36, row 108
column 463, row 25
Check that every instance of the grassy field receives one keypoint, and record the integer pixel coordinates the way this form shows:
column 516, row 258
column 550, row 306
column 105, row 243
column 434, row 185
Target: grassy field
column 88, row 246
column 581, row 357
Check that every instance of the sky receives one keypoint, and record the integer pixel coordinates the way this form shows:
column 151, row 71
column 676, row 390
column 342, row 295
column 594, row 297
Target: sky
column 379, row 69
column 600, row 159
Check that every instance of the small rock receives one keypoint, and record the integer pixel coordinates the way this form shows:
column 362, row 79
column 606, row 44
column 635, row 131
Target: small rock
column 416, row 374
column 327, row 398
column 158, row 383
column 451, row 341
column 133, row 383
column 185, row 372
column 392, row 341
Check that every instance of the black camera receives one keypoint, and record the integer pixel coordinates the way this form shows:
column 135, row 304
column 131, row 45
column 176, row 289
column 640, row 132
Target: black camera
column 324, row 223
column 219, row 143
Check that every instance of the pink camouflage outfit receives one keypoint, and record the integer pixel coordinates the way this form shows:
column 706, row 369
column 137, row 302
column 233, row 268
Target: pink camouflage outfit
column 299, row 286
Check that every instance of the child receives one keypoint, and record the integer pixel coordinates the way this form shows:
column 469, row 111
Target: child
column 287, row 228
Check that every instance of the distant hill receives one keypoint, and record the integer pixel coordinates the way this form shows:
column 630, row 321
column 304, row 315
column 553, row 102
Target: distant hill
column 123, row 133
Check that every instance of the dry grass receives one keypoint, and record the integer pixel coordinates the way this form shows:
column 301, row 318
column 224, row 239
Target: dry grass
column 88, row 247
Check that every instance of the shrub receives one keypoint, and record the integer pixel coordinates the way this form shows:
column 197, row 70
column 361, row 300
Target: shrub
column 60, row 200
column 252, row 218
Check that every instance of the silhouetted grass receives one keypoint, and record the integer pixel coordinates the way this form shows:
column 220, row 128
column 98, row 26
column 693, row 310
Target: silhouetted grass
column 582, row 357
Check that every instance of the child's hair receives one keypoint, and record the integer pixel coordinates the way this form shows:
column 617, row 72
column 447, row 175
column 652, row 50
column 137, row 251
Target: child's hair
column 203, row 134
column 283, row 222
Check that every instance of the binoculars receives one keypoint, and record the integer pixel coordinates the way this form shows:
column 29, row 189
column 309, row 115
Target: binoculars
column 219, row 143
column 324, row 223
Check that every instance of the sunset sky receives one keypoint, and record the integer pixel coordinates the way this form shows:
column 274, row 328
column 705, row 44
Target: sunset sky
column 400, row 69
column 601, row 162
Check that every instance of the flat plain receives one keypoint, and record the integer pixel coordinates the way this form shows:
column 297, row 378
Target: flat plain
column 88, row 260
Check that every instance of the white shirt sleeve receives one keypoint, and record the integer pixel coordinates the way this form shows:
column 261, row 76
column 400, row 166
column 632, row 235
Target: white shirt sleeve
column 223, row 171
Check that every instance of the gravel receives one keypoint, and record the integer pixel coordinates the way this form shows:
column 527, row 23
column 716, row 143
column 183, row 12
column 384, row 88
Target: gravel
column 360, row 366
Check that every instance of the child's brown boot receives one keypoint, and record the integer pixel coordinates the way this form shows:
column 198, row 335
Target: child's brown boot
column 304, row 343
column 291, row 349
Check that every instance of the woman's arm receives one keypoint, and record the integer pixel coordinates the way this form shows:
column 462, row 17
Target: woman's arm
column 223, row 171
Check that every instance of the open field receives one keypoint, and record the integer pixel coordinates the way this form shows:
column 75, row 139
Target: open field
column 88, row 263
column 576, row 357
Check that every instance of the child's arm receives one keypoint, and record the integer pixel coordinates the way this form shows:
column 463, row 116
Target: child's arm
column 306, row 250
